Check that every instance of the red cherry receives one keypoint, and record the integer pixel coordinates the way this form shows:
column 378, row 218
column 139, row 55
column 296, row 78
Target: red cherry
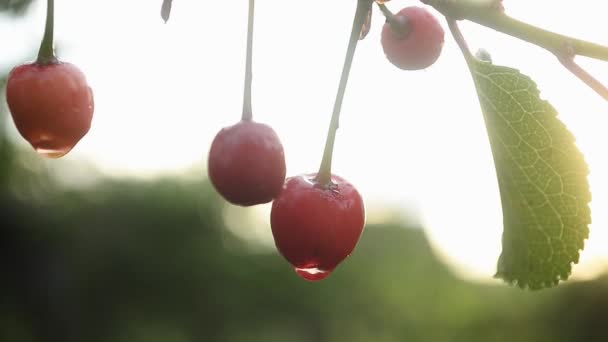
column 246, row 163
column 51, row 104
column 314, row 227
column 418, row 47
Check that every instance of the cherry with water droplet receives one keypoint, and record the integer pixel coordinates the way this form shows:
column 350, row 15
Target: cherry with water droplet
column 246, row 163
column 315, row 227
column 51, row 105
column 412, row 39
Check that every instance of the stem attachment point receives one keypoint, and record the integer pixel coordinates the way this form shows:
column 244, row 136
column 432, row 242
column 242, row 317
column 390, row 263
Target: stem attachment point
column 399, row 24
column 566, row 58
column 46, row 54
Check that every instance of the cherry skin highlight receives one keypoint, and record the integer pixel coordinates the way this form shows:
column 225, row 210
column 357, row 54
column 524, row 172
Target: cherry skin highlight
column 246, row 163
column 51, row 105
column 316, row 227
column 419, row 46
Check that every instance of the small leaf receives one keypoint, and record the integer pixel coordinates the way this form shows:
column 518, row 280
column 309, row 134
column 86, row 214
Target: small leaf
column 367, row 25
column 542, row 177
column 165, row 10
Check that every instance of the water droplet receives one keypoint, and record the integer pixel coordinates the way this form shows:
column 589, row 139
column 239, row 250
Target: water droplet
column 313, row 273
column 52, row 153
column 46, row 146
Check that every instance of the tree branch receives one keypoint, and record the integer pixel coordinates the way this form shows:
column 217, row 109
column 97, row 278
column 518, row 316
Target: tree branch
column 492, row 16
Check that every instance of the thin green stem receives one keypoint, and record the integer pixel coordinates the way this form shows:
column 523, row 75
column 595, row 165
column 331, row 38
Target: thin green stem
column 46, row 55
column 459, row 38
column 247, row 111
column 324, row 175
column 387, row 13
column 583, row 75
column 493, row 17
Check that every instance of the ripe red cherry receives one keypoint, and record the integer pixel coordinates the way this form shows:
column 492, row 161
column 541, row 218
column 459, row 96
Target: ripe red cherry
column 246, row 163
column 314, row 227
column 420, row 44
column 51, row 104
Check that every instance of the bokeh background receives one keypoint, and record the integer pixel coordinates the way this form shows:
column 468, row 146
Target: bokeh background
column 125, row 240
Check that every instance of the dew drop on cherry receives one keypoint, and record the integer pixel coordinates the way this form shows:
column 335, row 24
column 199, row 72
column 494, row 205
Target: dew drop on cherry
column 312, row 274
column 47, row 147
column 53, row 154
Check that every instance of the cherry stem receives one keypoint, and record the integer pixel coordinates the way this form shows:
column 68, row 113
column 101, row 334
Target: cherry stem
column 387, row 13
column 247, row 111
column 399, row 25
column 46, row 55
column 567, row 60
column 459, row 38
column 324, row 175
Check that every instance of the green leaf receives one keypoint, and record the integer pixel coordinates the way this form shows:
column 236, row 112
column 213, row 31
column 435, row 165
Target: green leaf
column 542, row 177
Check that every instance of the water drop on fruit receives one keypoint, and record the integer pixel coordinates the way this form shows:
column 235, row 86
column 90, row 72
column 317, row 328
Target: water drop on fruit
column 316, row 226
column 51, row 105
column 45, row 147
column 312, row 274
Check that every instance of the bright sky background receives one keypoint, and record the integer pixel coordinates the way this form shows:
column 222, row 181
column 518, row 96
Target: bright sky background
column 407, row 139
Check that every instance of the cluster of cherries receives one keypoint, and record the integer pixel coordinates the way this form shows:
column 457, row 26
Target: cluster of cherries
column 316, row 218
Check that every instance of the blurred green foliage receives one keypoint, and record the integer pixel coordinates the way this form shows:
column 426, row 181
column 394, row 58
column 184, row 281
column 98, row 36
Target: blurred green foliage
column 130, row 260
column 14, row 6
column 152, row 261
